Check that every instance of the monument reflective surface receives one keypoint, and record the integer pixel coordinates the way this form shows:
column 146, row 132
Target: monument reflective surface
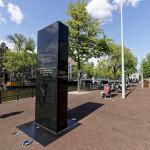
column 52, row 73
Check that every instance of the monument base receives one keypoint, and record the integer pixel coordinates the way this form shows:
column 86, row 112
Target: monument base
column 70, row 124
column 43, row 135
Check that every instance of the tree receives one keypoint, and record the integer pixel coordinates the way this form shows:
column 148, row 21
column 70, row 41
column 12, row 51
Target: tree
column 146, row 66
column 18, row 40
column 21, row 43
column 88, row 69
column 102, row 69
column 115, row 61
column 74, row 70
column 18, row 64
column 22, row 59
column 130, row 62
column 85, row 36
column 29, row 45
column 110, row 66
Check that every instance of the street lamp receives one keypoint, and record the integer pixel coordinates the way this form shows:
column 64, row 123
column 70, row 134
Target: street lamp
column 142, row 78
column 122, row 50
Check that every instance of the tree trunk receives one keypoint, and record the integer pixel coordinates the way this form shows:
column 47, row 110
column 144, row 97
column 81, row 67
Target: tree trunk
column 115, row 72
column 78, row 87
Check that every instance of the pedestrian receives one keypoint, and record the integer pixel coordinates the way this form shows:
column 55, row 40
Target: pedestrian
column 105, row 91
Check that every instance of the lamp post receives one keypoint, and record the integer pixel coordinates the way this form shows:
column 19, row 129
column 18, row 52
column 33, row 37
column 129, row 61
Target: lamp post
column 142, row 78
column 122, row 50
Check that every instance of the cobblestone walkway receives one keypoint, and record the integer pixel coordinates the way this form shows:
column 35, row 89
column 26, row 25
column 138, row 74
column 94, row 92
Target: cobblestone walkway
column 110, row 124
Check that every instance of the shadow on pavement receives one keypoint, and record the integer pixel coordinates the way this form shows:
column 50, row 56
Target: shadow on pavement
column 127, row 93
column 83, row 110
column 45, row 137
column 11, row 114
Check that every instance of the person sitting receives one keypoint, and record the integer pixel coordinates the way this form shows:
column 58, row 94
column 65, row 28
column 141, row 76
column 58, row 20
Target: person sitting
column 106, row 91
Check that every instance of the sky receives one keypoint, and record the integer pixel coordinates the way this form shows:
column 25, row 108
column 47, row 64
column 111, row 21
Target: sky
column 29, row 16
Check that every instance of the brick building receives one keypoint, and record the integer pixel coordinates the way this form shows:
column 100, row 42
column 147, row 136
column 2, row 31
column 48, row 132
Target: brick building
column 3, row 74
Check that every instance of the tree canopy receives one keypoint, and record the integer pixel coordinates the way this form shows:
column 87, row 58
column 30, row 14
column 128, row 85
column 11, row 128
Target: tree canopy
column 146, row 66
column 110, row 66
column 21, row 43
column 22, row 59
column 86, row 39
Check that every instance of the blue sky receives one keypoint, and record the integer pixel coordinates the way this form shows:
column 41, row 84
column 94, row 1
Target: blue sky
column 36, row 14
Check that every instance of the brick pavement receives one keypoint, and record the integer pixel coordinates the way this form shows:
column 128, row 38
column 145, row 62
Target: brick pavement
column 110, row 124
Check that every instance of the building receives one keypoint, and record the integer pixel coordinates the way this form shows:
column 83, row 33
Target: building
column 135, row 77
column 3, row 74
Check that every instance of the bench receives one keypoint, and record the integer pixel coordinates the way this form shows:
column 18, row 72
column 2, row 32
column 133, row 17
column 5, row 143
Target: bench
column 108, row 95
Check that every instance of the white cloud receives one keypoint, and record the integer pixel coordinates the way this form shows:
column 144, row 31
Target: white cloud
column 103, row 9
column 118, row 2
column 106, row 21
column 133, row 3
column 2, row 3
column 100, row 8
column 2, row 19
column 16, row 14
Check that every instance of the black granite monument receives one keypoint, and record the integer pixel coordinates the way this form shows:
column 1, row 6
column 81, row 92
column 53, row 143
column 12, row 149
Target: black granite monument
column 52, row 77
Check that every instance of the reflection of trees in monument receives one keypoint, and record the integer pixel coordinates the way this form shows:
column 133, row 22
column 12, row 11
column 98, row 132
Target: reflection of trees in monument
column 52, row 48
column 43, row 90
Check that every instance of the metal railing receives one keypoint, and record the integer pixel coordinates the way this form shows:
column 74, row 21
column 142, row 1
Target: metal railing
column 16, row 94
